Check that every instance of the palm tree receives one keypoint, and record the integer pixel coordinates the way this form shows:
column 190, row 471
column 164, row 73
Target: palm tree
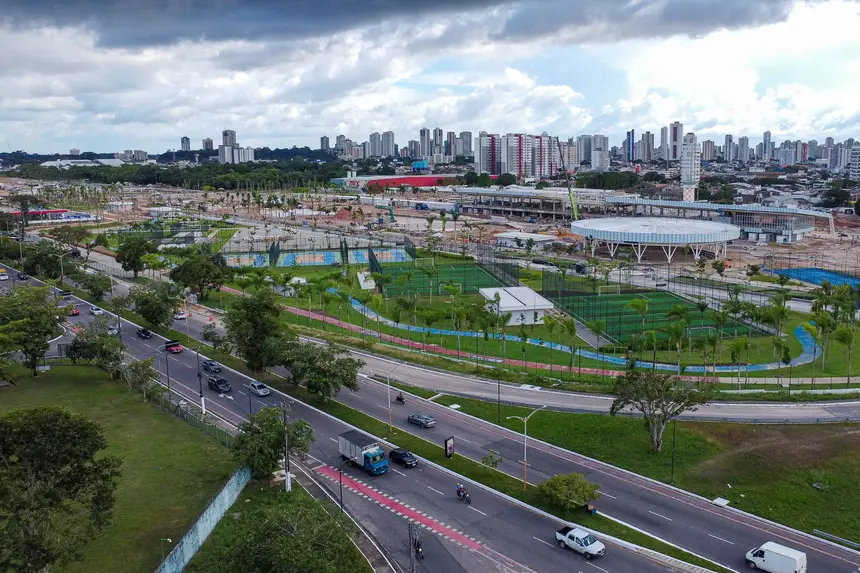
column 779, row 347
column 640, row 307
column 712, row 341
column 676, row 331
column 678, row 313
column 720, row 318
column 432, row 273
column 429, row 318
column 598, row 327
column 736, row 349
column 376, row 303
column 823, row 297
column 458, row 317
column 243, row 282
column 702, row 307
column 651, row 340
column 844, row 335
column 550, row 324
column 568, row 325
column 816, row 344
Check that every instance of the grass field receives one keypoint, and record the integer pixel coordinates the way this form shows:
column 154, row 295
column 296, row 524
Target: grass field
column 770, row 468
column 170, row 470
column 622, row 323
column 468, row 277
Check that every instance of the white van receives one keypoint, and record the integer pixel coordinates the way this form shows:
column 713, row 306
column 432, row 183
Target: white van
column 775, row 558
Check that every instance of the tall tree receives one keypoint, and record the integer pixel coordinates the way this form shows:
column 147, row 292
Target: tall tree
column 260, row 444
column 155, row 302
column 322, row 369
column 255, row 329
column 31, row 318
column 197, row 272
column 56, row 487
column 659, row 398
column 568, row 491
column 96, row 284
column 131, row 252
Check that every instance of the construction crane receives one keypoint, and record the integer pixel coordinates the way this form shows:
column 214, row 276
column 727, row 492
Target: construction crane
column 570, row 193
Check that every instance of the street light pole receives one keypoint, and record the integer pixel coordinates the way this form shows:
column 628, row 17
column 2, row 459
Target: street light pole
column 288, row 485
column 388, row 376
column 200, row 381
column 674, row 427
column 525, row 422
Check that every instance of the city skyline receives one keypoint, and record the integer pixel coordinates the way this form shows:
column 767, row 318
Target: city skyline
column 83, row 83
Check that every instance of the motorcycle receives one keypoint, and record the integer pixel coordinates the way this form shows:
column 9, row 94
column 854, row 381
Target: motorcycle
column 400, row 399
column 419, row 551
column 463, row 495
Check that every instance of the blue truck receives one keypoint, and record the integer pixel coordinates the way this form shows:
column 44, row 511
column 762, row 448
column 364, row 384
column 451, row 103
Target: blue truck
column 363, row 451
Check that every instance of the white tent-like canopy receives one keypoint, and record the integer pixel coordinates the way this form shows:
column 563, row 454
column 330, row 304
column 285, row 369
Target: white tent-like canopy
column 525, row 305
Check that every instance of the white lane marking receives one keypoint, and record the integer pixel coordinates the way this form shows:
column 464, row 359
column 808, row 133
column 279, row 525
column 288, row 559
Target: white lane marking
column 596, row 567
column 332, row 439
column 542, row 541
column 721, row 539
column 463, row 439
column 383, row 407
column 240, row 392
column 398, row 472
column 606, row 494
column 190, row 365
column 436, row 490
column 478, row 510
column 658, row 515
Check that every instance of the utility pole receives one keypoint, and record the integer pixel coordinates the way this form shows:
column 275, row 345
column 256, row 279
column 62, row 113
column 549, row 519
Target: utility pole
column 287, row 481
column 411, row 550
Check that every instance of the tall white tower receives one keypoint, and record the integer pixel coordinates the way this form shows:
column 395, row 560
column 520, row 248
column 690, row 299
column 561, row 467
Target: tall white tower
column 691, row 166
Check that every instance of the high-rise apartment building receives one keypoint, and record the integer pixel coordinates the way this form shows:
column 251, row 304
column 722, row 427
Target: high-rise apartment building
column 185, row 144
column 545, row 156
column 691, row 166
column 664, row 143
column 488, row 152
column 813, row 149
column 426, row 142
column 744, row 149
column 583, row 144
column 646, row 148
column 709, row 150
column 340, row 144
column 629, row 146
column 517, row 155
column 388, row 145
column 854, row 166
column 450, row 143
column 414, row 147
column 676, row 134
column 766, row 147
column 438, row 142
column 208, row 144
column 466, row 136
column 375, row 141
column 228, row 138
column 325, row 145
column 728, row 150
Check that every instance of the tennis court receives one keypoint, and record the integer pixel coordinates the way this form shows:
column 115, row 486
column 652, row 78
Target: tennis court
column 818, row 276
column 467, row 278
column 393, row 255
column 622, row 323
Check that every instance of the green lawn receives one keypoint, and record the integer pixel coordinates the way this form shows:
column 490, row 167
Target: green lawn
column 770, row 468
column 170, row 470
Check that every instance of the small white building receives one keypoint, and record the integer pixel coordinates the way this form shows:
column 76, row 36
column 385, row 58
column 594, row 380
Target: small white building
column 525, row 305
column 509, row 239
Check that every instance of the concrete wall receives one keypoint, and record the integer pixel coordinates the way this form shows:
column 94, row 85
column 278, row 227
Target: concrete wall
column 191, row 542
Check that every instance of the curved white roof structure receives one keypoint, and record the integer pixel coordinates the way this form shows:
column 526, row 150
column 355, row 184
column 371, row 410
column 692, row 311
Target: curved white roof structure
column 655, row 231
column 668, row 234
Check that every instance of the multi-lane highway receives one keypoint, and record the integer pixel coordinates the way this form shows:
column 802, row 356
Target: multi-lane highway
column 492, row 534
column 686, row 520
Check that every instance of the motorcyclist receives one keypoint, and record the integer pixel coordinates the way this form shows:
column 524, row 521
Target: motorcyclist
column 461, row 491
column 400, row 398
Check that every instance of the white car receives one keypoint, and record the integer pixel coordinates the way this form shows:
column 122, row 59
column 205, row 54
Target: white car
column 113, row 330
column 179, row 315
column 580, row 541
column 4, row 277
column 96, row 311
column 259, row 389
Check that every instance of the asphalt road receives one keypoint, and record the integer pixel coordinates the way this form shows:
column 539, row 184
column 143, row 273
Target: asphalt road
column 681, row 518
column 492, row 534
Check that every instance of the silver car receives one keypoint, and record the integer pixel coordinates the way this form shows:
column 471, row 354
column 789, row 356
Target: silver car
column 259, row 389
column 423, row 420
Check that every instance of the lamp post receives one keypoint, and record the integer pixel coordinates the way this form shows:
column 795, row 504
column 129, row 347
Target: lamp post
column 62, row 272
column 388, row 377
column 674, row 427
column 200, row 381
column 288, row 484
column 163, row 539
column 525, row 422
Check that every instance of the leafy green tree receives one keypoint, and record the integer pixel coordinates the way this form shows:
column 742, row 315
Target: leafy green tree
column 282, row 532
column 84, row 347
column 30, row 318
column 199, row 273
column 56, row 487
column 96, row 284
column 255, row 329
column 69, row 236
column 260, row 444
column 470, row 178
column 660, row 398
column 43, row 259
column 301, row 437
column 484, row 180
column 491, row 460
column 131, row 252
column 322, row 369
column 211, row 335
column 155, row 302
column 568, row 491
column 140, row 375
column 506, row 179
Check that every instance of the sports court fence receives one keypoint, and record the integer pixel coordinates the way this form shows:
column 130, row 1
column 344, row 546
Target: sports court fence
column 409, row 246
column 503, row 269
column 167, row 232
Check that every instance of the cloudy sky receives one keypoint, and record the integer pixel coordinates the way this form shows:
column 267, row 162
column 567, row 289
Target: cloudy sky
column 106, row 75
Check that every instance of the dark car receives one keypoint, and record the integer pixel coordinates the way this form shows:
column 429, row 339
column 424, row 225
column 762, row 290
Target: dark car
column 423, row 420
column 23, row 276
column 219, row 384
column 211, row 366
column 144, row 333
column 403, row 457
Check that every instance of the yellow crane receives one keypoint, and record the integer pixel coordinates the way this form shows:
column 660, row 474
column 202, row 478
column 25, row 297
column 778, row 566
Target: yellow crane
column 570, row 193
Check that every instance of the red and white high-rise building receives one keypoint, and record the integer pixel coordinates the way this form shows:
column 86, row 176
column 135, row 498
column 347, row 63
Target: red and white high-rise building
column 546, row 158
column 488, row 153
